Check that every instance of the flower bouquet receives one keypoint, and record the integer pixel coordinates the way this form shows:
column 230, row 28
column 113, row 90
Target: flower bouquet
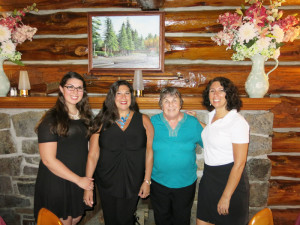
column 13, row 32
column 257, row 30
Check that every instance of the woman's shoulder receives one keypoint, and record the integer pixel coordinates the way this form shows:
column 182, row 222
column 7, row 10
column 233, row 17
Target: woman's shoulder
column 238, row 119
column 48, row 118
column 193, row 121
column 156, row 118
column 190, row 117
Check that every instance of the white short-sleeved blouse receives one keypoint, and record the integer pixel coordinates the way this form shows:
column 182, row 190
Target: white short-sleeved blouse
column 219, row 136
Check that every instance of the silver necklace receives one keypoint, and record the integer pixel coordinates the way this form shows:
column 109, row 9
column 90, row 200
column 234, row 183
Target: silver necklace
column 74, row 117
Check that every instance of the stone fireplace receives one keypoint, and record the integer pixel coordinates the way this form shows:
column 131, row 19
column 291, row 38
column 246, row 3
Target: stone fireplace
column 19, row 159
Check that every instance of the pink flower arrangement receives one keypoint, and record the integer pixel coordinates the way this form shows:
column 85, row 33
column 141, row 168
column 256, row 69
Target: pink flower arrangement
column 13, row 32
column 257, row 30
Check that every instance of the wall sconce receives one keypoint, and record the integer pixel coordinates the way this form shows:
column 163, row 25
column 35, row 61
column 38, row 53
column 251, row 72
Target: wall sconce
column 24, row 84
column 138, row 85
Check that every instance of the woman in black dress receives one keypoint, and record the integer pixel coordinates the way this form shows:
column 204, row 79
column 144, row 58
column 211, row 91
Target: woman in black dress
column 63, row 144
column 122, row 141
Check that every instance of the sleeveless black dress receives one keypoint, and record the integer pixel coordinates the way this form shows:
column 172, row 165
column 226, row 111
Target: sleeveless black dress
column 62, row 197
column 121, row 166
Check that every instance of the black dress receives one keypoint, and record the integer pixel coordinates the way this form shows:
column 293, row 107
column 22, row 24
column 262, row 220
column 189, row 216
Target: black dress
column 121, row 167
column 62, row 197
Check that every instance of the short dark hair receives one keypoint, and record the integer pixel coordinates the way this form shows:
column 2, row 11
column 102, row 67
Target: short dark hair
column 232, row 94
column 169, row 91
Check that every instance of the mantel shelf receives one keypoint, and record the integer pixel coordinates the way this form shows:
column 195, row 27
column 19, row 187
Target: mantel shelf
column 144, row 102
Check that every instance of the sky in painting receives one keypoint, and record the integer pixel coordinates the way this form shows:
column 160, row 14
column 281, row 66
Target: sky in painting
column 143, row 24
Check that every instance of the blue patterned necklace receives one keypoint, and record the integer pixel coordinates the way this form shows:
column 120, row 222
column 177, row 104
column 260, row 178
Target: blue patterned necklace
column 123, row 120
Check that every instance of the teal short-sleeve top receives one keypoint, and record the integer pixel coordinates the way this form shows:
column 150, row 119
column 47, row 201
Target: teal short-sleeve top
column 174, row 163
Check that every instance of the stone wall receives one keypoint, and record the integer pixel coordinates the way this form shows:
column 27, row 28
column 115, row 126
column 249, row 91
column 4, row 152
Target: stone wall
column 19, row 159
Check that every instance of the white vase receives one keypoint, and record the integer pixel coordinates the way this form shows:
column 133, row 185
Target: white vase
column 4, row 82
column 257, row 83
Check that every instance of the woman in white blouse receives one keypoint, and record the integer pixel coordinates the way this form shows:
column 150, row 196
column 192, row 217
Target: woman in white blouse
column 223, row 196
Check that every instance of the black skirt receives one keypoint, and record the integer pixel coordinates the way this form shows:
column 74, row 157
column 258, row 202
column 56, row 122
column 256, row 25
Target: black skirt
column 211, row 188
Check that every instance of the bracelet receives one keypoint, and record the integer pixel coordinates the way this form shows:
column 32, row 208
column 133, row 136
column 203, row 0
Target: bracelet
column 148, row 181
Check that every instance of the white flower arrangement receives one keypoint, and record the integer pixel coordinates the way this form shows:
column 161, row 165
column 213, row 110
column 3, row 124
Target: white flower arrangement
column 13, row 32
column 257, row 30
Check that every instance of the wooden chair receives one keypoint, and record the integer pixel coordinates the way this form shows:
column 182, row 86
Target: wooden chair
column 263, row 217
column 46, row 217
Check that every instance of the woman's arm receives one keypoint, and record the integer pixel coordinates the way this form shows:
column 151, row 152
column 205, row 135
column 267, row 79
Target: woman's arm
column 194, row 114
column 145, row 188
column 48, row 156
column 240, row 157
column 93, row 156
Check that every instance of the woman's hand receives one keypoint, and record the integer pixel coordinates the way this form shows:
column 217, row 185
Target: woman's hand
column 88, row 198
column 86, row 183
column 144, row 190
column 223, row 205
column 191, row 113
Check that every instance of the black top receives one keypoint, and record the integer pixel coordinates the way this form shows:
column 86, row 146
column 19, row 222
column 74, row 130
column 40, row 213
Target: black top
column 121, row 166
column 62, row 197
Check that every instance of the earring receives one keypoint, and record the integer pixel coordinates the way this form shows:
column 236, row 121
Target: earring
column 210, row 104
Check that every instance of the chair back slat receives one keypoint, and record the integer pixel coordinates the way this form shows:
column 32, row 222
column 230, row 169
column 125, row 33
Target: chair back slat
column 263, row 217
column 46, row 217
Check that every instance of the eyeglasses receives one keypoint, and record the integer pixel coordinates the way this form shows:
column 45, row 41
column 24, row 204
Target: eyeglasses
column 72, row 88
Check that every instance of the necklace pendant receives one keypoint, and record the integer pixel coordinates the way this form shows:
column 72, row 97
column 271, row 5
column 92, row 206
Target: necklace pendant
column 123, row 120
column 74, row 117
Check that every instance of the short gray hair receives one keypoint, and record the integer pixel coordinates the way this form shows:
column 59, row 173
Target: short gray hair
column 169, row 91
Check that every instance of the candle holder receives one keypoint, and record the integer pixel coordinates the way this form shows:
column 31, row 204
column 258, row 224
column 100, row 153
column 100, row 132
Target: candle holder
column 24, row 84
column 138, row 85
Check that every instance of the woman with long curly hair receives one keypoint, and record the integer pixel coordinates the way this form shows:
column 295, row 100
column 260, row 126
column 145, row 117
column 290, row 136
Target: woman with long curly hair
column 121, row 154
column 63, row 135
column 223, row 195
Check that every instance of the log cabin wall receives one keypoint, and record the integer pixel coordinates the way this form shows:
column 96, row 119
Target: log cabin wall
column 61, row 45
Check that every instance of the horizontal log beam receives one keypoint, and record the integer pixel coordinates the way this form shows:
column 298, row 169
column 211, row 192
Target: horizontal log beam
column 285, row 79
column 284, row 192
column 286, row 142
column 54, row 49
column 191, row 3
column 285, row 216
column 204, row 48
column 60, row 23
column 199, row 21
column 287, row 113
column 285, row 166
column 66, row 4
column 70, row 23
column 187, row 48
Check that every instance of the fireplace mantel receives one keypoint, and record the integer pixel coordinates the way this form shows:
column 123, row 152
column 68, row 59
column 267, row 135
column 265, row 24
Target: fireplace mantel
column 148, row 102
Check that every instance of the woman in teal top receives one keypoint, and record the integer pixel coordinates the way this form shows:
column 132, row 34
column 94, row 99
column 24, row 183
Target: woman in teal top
column 176, row 135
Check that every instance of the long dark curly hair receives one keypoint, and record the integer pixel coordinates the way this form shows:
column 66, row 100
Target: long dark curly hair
column 232, row 94
column 109, row 112
column 59, row 112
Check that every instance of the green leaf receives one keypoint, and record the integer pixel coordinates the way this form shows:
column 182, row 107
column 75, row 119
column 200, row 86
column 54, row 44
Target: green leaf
column 278, row 45
column 251, row 42
column 239, row 11
column 19, row 63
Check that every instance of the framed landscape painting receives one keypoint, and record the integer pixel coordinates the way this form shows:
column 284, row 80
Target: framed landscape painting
column 126, row 41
